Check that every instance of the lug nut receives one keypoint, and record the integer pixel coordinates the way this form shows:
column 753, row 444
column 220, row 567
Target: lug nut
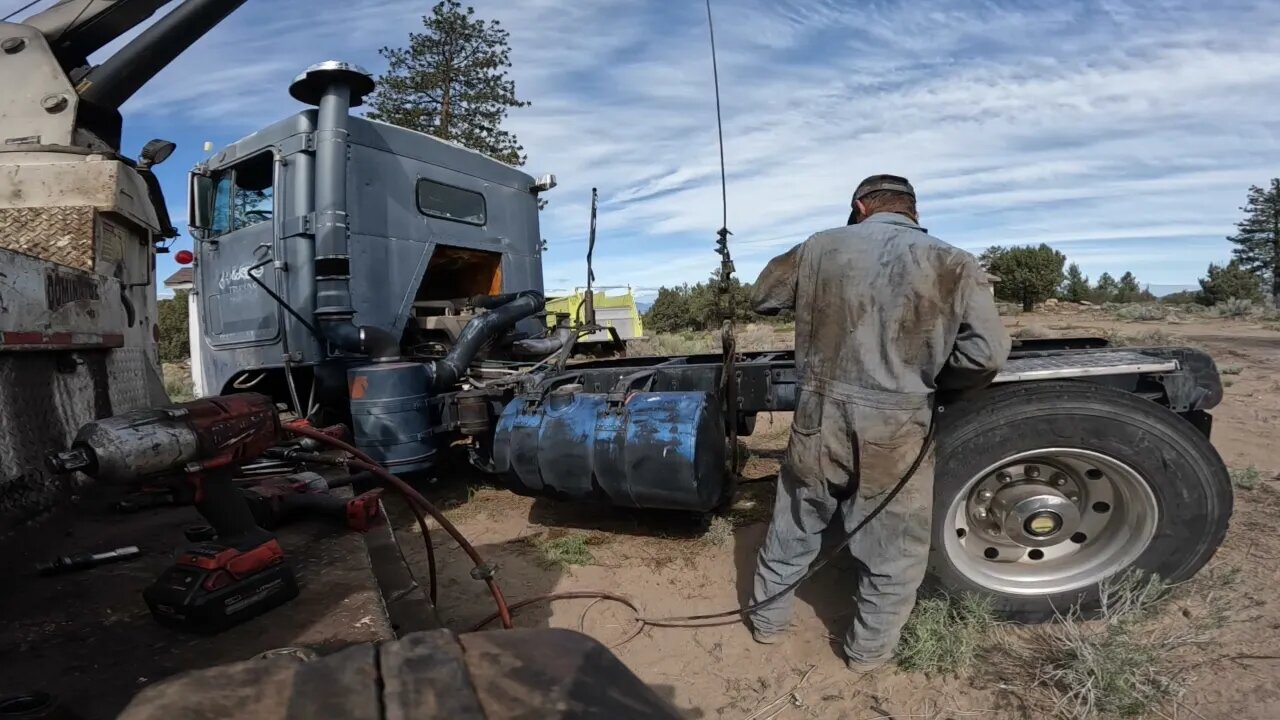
column 1073, row 497
column 1033, row 471
column 992, row 532
column 980, row 513
column 1059, row 479
column 1004, row 477
column 986, row 495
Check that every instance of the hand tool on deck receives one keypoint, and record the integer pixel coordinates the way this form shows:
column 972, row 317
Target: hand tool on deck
column 243, row 572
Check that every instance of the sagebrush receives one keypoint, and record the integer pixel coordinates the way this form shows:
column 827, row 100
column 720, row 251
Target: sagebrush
column 946, row 634
column 1132, row 661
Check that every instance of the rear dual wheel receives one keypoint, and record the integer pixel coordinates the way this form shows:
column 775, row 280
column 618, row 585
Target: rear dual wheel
column 1046, row 489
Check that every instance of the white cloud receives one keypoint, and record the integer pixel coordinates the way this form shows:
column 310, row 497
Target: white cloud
column 1112, row 122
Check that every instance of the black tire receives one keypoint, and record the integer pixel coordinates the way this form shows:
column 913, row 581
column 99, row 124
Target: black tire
column 1185, row 473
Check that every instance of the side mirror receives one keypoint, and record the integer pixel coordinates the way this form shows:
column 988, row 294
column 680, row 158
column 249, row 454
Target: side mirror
column 200, row 191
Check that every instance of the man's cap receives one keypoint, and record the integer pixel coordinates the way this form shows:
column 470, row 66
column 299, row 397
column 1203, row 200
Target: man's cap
column 876, row 183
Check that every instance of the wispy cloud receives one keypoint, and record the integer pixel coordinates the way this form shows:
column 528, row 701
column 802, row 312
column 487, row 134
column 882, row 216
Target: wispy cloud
column 1126, row 133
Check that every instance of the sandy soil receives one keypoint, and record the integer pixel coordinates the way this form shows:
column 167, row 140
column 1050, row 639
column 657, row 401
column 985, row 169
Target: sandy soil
column 672, row 565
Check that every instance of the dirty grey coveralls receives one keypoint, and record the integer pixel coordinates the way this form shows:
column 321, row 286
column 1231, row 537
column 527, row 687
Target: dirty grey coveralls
column 885, row 314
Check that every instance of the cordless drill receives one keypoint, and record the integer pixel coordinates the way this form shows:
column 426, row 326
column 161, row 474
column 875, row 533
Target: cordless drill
column 212, row 585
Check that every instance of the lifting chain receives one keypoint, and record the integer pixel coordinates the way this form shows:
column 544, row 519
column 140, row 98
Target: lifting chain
column 729, row 348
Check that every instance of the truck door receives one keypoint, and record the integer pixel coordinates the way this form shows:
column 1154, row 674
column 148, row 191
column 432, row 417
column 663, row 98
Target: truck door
column 241, row 235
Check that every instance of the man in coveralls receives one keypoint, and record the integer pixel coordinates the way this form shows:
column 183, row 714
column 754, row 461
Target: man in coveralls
column 885, row 315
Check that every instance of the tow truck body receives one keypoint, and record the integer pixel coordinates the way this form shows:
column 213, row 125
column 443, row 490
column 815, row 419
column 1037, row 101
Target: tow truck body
column 80, row 223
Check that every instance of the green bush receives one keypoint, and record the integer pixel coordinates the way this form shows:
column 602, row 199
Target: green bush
column 697, row 307
column 1245, row 478
column 563, row 551
column 1233, row 308
column 945, row 634
column 1228, row 283
column 172, row 318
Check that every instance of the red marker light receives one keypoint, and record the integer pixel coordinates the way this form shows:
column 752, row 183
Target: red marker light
column 184, row 257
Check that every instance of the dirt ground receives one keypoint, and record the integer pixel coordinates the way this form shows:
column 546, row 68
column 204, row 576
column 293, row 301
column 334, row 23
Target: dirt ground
column 674, row 565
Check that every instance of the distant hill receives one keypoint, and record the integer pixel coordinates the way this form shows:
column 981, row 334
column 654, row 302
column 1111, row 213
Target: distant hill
column 643, row 307
column 1162, row 290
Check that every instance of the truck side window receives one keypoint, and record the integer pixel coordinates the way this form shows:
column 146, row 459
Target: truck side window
column 243, row 195
column 450, row 203
column 221, row 220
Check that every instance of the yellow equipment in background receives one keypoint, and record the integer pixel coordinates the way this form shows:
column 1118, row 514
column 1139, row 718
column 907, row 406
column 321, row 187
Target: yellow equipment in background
column 615, row 310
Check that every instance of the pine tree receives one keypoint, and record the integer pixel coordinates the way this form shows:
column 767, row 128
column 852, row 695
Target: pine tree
column 451, row 82
column 1127, row 289
column 1229, row 282
column 1076, row 286
column 1258, row 236
column 1105, row 290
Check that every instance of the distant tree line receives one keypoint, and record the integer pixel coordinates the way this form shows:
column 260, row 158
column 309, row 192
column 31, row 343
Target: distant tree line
column 1031, row 274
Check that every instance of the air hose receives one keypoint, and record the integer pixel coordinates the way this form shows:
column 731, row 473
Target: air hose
column 925, row 447
column 482, row 571
column 700, row 620
column 505, row 612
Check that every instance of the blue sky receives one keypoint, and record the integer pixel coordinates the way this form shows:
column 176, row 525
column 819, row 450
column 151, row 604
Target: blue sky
column 1125, row 134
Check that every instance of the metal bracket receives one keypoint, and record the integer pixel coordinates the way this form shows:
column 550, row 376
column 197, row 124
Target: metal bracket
column 617, row 396
column 1181, row 390
column 294, row 144
column 298, row 225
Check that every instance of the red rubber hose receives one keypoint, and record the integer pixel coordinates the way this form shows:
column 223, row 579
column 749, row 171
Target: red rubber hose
column 364, row 462
column 431, row 552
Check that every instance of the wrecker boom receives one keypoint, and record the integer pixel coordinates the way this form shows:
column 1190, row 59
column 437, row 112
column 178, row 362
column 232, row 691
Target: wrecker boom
column 79, row 226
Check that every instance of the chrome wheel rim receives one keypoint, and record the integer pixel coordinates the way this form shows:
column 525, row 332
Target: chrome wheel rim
column 1049, row 521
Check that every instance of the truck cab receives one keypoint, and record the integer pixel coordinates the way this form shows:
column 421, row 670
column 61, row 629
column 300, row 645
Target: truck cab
column 427, row 222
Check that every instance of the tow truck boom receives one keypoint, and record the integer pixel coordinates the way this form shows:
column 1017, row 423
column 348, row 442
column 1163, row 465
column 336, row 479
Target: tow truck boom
column 55, row 44
column 79, row 227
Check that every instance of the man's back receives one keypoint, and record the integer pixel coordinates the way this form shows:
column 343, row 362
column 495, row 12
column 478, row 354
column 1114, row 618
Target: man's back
column 882, row 309
column 884, row 313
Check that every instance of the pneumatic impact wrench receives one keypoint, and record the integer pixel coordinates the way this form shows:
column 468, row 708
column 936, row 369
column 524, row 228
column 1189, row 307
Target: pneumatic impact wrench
column 212, row 585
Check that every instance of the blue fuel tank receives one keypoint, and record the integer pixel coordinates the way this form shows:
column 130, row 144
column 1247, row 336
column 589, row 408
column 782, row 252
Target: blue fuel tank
column 391, row 415
column 654, row 450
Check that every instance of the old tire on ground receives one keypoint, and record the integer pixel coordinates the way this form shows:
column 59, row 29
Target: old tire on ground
column 1044, row 489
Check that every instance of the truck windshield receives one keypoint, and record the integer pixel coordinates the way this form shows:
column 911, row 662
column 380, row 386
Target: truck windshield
column 243, row 194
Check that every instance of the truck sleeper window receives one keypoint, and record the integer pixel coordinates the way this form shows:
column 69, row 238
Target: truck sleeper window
column 450, row 203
